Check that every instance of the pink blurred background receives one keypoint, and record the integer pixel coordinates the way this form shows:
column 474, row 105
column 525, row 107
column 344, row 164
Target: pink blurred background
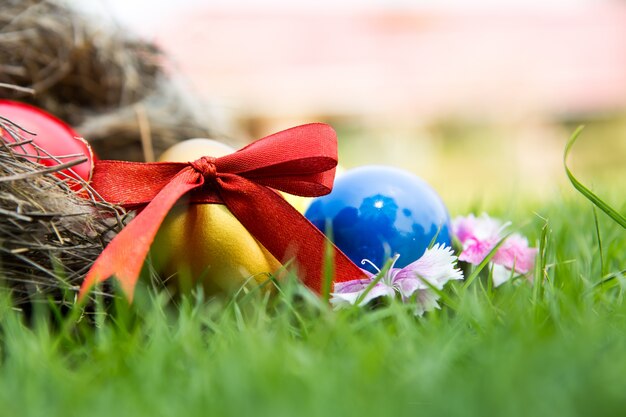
column 405, row 64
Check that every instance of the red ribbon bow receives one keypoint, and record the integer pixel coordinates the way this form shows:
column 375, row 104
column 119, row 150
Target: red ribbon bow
column 299, row 161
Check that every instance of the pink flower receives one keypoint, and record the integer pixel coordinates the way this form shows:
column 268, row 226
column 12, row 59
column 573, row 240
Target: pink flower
column 436, row 266
column 479, row 235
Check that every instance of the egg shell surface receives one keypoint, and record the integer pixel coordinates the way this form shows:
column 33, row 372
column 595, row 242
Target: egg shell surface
column 205, row 242
column 50, row 134
column 376, row 212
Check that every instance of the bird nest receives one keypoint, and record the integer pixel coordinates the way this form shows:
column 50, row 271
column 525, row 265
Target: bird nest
column 52, row 226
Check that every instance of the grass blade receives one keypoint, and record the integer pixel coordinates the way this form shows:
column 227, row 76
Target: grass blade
column 597, row 226
column 597, row 201
column 480, row 266
column 329, row 264
column 541, row 273
column 375, row 281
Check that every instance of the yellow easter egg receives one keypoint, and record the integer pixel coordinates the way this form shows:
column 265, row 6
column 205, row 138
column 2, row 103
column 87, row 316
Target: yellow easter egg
column 205, row 242
column 302, row 203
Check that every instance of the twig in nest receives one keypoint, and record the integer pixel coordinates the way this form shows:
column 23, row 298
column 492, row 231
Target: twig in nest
column 144, row 130
column 18, row 88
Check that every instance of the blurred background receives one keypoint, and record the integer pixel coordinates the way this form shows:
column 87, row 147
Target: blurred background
column 478, row 97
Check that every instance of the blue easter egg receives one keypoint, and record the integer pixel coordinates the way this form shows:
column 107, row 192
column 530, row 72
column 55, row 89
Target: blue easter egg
column 376, row 212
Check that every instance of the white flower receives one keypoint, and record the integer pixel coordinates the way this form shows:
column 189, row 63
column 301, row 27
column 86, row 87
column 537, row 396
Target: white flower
column 436, row 267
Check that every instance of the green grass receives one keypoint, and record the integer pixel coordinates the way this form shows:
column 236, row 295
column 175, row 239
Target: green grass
column 555, row 347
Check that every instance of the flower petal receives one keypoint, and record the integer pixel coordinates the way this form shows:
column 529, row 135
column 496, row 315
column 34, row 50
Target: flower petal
column 350, row 297
column 463, row 227
column 483, row 228
column 436, row 266
column 515, row 253
column 406, row 286
column 478, row 236
column 500, row 274
column 426, row 301
column 475, row 251
column 352, row 286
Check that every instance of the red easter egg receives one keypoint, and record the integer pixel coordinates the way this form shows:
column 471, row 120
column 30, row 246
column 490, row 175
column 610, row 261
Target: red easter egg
column 50, row 134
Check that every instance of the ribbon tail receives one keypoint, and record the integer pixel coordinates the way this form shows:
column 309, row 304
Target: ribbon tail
column 284, row 232
column 125, row 254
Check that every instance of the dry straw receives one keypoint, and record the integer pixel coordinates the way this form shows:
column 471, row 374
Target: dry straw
column 52, row 227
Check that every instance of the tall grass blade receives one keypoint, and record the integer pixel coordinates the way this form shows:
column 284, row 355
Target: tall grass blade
column 540, row 269
column 597, row 201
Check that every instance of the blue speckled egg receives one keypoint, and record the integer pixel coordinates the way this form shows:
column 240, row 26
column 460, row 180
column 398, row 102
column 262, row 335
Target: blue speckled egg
column 376, row 212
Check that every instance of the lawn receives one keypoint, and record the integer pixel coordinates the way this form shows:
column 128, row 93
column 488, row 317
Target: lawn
column 553, row 347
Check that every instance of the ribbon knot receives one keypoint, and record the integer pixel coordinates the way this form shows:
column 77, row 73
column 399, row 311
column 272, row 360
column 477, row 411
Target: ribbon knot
column 299, row 161
column 206, row 167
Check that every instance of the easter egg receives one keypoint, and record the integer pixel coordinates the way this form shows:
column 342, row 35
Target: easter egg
column 376, row 212
column 50, row 134
column 205, row 242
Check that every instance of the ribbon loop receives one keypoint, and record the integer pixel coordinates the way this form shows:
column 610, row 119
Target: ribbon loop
column 299, row 160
